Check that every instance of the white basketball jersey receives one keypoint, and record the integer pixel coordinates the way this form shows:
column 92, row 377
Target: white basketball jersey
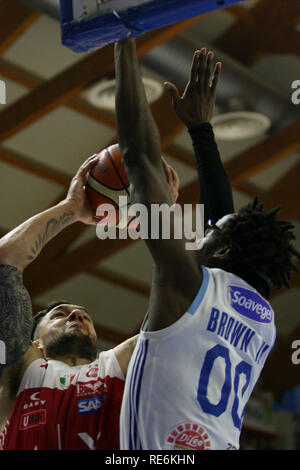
column 187, row 385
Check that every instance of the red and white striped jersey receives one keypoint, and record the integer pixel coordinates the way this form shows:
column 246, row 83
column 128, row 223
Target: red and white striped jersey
column 62, row 407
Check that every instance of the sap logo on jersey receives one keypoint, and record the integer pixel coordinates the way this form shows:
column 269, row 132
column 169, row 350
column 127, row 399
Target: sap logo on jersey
column 250, row 304
column 90, row 405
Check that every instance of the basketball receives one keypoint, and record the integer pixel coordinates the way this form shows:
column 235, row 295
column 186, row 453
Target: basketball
column 106, row 182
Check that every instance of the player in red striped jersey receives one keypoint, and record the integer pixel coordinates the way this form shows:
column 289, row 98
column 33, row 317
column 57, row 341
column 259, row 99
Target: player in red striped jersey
column 63, row 395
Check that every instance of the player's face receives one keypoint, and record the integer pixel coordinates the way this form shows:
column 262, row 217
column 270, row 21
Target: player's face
column 67, row 318
column 213, row 247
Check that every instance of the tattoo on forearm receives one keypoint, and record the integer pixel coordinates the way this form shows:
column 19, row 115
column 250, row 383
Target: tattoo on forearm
column 53, row 226
column 15, row 314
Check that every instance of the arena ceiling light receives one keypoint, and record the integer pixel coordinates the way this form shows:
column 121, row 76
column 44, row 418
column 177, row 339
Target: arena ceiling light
column 102, row 95
column 238, row 125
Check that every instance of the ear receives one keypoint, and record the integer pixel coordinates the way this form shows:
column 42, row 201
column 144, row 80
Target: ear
column 39, row 345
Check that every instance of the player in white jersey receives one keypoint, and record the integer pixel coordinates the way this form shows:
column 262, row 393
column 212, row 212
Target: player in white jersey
column 209, row 328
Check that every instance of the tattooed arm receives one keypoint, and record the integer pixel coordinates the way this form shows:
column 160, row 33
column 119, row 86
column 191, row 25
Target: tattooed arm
column 15, row 331
column 17, row 250
column 22, row 245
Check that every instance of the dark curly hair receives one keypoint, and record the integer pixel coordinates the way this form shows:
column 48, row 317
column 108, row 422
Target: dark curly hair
column 261, row 251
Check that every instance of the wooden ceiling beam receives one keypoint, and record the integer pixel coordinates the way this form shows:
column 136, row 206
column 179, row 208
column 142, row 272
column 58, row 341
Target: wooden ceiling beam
column 69, row 265
column 280, row 360
column 255, row 159
column 35, row 168
column 289, row 44
column 19, row 75
column 68, row 84
column 286, row 190
column 15, row 19
column 53, row 250
column 246, row 41
column 58, row 245
column 189, row 194
column 53, row 93
column 31, row 81
column 119, row 280
column 243, row 14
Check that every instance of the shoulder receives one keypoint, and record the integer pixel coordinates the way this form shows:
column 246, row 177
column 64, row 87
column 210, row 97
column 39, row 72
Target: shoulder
column 123, row 353
column 12, row 375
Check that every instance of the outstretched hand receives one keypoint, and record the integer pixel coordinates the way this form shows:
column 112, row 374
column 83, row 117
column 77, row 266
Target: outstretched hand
column 77, row 196
column 197, row 103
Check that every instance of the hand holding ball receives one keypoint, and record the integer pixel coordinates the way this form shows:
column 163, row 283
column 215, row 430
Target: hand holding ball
column 108, row 180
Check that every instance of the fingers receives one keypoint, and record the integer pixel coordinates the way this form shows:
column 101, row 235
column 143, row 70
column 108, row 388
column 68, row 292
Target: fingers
column 194, row 68
column 174, row 184
column 215, row 79
column 172, row 179
column 171, row 174
column 167, row 171
column 172, row 89
column 208, row 70
column 175, row 178
column 204, row 71
column 202, row 68
column 87, row 166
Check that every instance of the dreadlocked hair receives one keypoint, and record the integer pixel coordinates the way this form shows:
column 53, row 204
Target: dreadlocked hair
column 261, row 245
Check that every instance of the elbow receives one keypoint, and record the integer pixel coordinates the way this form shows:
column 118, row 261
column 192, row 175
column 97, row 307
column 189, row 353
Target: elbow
column 7, row 259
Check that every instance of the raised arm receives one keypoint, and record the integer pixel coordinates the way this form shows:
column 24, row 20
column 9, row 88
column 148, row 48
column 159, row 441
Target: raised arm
column 195, row 109
column 140, row 144
column 17, row 250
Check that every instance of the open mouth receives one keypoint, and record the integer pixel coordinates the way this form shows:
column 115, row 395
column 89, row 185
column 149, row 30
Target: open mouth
column 76, row 324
